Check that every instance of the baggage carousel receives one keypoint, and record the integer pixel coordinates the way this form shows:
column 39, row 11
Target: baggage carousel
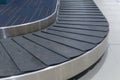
column 68, row 37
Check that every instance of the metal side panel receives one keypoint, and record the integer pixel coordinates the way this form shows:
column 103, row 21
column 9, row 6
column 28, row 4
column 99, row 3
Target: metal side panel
column 26, row 28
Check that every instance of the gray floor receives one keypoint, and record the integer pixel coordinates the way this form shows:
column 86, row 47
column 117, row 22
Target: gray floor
column 109, row 67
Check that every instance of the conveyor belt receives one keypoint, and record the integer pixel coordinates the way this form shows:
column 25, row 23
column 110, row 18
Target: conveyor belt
column 24, row 11
column 79, row 28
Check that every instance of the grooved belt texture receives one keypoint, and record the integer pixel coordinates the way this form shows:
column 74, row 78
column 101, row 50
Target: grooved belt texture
column 80, row 27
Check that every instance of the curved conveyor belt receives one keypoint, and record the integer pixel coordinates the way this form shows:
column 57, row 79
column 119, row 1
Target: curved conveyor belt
column 19, row 17
column 24, row 11
column 73, row 43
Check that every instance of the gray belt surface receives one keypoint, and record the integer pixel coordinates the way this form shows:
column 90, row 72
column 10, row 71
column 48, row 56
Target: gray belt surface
column 80, row 27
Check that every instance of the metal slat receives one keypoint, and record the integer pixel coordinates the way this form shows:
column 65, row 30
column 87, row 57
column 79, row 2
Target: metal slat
column 24, row 61
column 45, row 55
column 84, row 23
column 79, row 31
column 7, row 66
column 83, row 27
column 73, row 43
column 89, row 39
column 56, row 47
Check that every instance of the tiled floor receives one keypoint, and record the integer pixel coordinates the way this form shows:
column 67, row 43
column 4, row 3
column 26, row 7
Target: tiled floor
column 109, row 67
